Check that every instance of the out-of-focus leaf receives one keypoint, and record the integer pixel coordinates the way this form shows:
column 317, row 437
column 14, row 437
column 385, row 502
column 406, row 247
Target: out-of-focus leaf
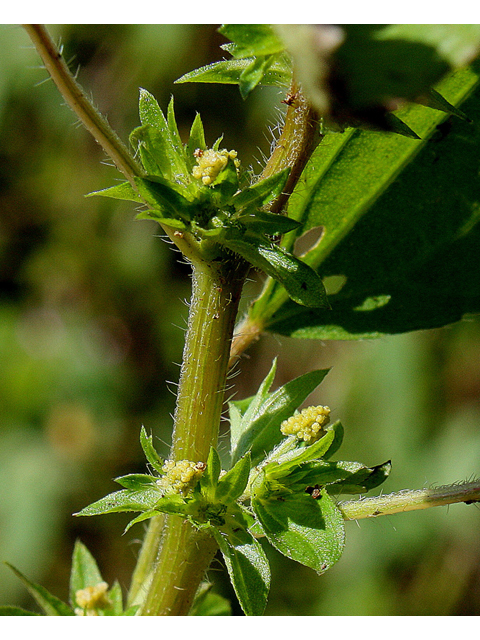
column 84, row 573
column 52, row 605
column 251, row 40
column 7, row 610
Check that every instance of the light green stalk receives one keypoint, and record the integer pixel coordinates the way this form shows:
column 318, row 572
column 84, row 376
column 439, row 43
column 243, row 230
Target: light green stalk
column 410, row 500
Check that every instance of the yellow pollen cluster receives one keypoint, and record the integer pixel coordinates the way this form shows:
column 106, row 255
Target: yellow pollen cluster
column 308, row 424
column 181, row 476
column 210, row 163
column 91, row 598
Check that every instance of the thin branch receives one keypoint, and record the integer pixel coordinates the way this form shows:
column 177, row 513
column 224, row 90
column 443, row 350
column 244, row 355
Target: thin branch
column 408, row 500
column 75, row 97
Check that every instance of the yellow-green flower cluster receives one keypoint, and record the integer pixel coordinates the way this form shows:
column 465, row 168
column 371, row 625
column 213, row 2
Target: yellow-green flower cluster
column 91, row 599
column 308, row 424
column 181, row 476
column 210, row 163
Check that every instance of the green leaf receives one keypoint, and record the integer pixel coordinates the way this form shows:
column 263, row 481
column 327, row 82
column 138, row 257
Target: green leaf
column 196, row 140
column 209, row 479
column 7, row 610
column 301, row 282
column 164, row 144
column 136, row 481
column 51, row 605
column 278, row 74
column 252, row 75
column 248, row 569
column 271, row 224
column 211, row 604
column 233, row 483
column 244, row 411
column 306, row 530
column 262, row 192
column 422, row 247
column 260, row 428
column 362, row 480
column 124, row 500
column 84, row 573
column 252, row 39
column 150, row 453
column 146, row 515
column 152, row 214
column 160, row 195
column 288, row 461
column 116, row 599
column 123, row 191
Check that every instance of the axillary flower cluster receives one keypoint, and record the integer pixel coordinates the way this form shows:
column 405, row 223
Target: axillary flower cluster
column 307, row 425
column 180, row 477
column 91, row 599
column 211, row 162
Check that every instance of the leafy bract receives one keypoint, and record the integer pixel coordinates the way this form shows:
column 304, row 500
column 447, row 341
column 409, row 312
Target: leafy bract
column 403, row 235
column 259, row 429
column 84, row 572
column 248, row 568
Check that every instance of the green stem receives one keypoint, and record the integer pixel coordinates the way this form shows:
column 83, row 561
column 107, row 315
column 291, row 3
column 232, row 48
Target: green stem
column 409, row 500
column 299, row 138
column 185, row 553
column 94, row 122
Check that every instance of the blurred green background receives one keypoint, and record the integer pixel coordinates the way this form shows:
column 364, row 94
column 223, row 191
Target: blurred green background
column 92, row 319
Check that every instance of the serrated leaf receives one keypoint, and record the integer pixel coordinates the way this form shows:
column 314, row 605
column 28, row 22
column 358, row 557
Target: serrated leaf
column 260, row 429
column 150, row 453
column 123, row 191
column 301, row 282
column 233, row 483
column 84, row 573
column 6, row 610
column 306, row 530
column 279, row 74
column 136, row 481
column 124, row 500
column 411, row 279
column 51, row 605
column 248, row 569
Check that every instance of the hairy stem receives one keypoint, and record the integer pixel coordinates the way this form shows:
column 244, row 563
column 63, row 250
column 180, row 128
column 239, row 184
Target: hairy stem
column 299, row 138
column 409, row 500
column 75, row 97
column 94, row 122
column 185, row 553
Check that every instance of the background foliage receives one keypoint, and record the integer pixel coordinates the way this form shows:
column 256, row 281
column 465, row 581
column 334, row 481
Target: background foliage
column 91, row 322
